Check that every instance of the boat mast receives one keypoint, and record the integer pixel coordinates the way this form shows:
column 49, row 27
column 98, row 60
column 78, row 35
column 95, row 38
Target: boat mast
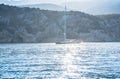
column 65, row 23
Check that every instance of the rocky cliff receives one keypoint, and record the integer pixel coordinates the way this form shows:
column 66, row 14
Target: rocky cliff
column 35, row 25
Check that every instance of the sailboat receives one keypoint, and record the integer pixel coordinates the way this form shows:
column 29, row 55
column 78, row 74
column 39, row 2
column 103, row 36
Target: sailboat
column 65, row 40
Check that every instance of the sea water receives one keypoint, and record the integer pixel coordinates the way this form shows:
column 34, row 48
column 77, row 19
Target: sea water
column 60, row 61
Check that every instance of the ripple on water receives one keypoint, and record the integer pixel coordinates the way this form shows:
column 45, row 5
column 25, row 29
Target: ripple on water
column 79, row 61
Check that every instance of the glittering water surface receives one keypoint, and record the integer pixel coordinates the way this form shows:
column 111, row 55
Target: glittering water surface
column 51, row 61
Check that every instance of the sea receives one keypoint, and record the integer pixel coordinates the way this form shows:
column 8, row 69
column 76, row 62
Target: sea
column 60, row 61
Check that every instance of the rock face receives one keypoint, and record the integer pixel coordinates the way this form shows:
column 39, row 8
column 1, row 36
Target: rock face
column 26, row 25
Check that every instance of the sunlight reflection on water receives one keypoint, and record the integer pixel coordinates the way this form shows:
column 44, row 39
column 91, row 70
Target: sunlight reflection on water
column 69, row 61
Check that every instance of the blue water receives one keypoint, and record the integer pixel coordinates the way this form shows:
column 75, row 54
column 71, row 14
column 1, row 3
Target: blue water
column 51, row 61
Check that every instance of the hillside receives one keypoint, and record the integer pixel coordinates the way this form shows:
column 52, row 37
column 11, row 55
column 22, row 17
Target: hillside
column 112, row 25
column 26, row 25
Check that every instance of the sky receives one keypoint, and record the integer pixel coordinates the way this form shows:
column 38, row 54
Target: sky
column 87, row 6
column 41, row 1
column 57, row 1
